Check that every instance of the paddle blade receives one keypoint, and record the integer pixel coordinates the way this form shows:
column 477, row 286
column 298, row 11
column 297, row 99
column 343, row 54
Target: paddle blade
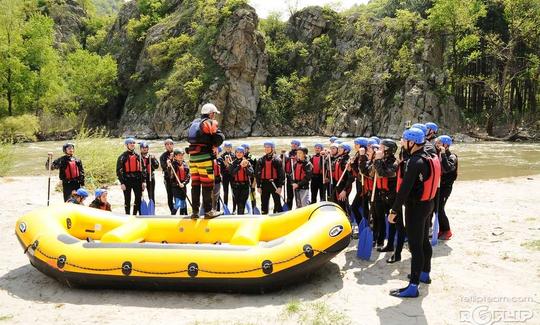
column 368, row 244
column 435, row 235
column 362, row 225
column 226, row 210
column 248, row 208
column 285, row 207
column 151, row 208
column 201, row 211
column 144, row 208
column 256, row 210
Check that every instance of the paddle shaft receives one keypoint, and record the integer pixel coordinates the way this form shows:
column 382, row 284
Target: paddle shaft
column 49, row 181
column 281, row 196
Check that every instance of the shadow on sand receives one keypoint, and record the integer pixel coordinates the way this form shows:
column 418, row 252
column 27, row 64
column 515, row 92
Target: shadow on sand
column 29, row 284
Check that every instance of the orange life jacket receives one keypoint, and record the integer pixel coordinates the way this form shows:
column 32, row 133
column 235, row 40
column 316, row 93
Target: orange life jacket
column 132, row 165
column 431, row 184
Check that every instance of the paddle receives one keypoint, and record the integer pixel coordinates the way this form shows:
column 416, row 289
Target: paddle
column 49, row 182
column 435, row 234
column 252, row 194
column 285, row 206
column 226, row 210
column 365, row 243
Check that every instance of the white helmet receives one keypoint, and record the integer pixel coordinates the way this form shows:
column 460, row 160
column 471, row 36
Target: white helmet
column 209, row 108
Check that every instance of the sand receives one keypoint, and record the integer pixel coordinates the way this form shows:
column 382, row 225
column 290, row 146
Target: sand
column 489, row 271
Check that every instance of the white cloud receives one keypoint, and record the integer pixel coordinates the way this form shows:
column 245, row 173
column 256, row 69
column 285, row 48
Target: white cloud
column 264, row 7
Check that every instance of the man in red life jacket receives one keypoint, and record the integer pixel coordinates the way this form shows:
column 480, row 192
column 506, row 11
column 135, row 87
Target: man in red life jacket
column 290, row 159
column 269, row 174
column 317, row 184
column 149, row 164
column 70, row 170
column 226, row 157
column 301, row 177
column 179, row 172
column 359, row 205
column 203, row 136
column 131, row 175
column 449, row 165
column 417, row 179
column 385, row 165
column 100, row 202
column 342, row 177
column 219, row 166
column 241, row 171
column 164, row 160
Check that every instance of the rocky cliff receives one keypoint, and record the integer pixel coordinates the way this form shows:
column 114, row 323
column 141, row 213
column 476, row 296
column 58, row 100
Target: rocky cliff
column 238, row 65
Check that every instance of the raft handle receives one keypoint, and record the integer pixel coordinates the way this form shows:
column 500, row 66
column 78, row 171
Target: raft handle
column 193, row 269
column 308, row 250
column 126, row 268
column 267, row 267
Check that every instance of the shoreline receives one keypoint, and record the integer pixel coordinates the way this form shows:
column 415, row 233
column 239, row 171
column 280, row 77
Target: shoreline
column 488, row 264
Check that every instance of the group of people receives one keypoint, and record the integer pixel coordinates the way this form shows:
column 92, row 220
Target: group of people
column 419, row 178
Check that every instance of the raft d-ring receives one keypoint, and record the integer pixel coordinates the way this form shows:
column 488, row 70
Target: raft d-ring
column 35, row 245
column 61, row 261
column 267, row 267
column 193, row 269
column 308, row 250
column 127, row 268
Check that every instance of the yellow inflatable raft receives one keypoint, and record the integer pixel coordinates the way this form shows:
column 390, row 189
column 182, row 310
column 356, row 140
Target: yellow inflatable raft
column 85, row 247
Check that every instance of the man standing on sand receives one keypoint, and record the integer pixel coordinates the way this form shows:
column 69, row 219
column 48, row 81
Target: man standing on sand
column 203, row 136
column 70, row 168
column 131, row 176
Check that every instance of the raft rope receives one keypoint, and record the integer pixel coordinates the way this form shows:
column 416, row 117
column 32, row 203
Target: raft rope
column 308, row 251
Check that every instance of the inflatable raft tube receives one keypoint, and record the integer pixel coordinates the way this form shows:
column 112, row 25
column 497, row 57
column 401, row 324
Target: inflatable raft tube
column 85, row 247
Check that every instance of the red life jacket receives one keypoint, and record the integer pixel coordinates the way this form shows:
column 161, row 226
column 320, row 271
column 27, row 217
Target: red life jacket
column 338, row 171
column 268, row 171
column 382, row 184
column 431, row 184
column 131, row 165
column 368, row 184
column 241, row 175
column 299, row 172
column 217, row 169
column 148, row 164
column 288, row 164
column 181, row 172
column 317, row 165
column 72, row 170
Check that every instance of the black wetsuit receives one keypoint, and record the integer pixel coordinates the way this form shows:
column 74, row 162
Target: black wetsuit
column 449, row 165
column 417, row 213
column 385, row 195
column 167, row 179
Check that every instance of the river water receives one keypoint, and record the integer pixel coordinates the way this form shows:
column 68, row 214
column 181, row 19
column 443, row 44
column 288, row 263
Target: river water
column 477, row 161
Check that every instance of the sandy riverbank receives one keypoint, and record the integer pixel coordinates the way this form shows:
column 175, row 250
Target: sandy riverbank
column 486, row 270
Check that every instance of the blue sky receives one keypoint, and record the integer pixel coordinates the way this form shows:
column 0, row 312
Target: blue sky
column 264, row 7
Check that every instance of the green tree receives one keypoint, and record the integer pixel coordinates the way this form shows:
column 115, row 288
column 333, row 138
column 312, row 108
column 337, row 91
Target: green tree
column 91, row 79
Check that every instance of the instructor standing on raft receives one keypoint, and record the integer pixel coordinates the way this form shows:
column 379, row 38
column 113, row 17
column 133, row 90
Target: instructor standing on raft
column 203, row 136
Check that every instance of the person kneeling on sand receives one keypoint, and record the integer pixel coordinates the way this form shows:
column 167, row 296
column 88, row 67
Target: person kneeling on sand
column 100, row 202
column 78, row 197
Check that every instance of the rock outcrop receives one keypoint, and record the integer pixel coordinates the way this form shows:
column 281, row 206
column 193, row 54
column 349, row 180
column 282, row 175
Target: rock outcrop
column 68, row 17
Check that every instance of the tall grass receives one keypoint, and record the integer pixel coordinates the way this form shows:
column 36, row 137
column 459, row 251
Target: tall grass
column 98, row 153
column 6, row 161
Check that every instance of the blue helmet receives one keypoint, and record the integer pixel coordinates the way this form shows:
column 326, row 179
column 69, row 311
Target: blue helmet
column 129, row 140
column 371, row 142
column 346, row 147
column 361, row 141
column 219, row 149
column 319, row 145
column 296, row 142
column 421, row 127
column 432, row 126
column 82, row 192
column 245, row 146
column 269, row 143
column 333, row 139
column 100, row 192
column 227, row 144
column 241, row 149
column 143, row 144
column 376, row 139
column 415, row 135
column 338, row 141
column 444, row 139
